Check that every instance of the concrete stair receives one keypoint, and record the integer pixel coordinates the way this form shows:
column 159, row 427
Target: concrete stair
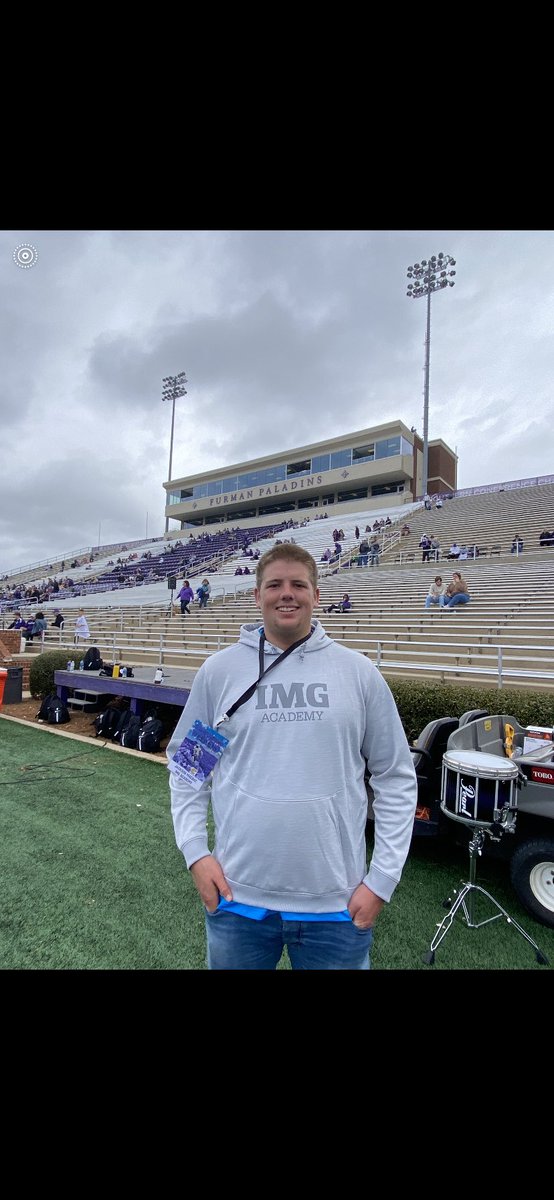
column 82, row 701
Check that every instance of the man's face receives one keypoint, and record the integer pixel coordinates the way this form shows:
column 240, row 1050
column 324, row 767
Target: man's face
column 287, row 599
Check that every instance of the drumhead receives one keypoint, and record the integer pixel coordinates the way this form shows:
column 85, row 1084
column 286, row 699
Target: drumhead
column 485, row 766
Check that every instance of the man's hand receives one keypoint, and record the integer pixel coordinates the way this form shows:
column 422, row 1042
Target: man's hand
column 364, row 906
column 210, row 882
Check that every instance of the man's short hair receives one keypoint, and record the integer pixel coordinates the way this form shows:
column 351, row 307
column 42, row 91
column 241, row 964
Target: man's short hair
column 292, row 553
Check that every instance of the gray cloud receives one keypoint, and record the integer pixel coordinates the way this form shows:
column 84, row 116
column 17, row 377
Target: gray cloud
column 286, row 337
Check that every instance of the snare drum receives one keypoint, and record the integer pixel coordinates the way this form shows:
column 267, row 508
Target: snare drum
column 476, row 788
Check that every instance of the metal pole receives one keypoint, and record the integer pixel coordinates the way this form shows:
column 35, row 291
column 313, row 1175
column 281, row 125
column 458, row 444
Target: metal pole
column 425, row 472
column 430, row 276
column 170, row 450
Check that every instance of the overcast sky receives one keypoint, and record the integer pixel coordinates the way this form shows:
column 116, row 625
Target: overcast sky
column 286, row 337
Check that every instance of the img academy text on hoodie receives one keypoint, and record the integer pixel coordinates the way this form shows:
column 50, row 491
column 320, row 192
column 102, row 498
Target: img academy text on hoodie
column 288, row 794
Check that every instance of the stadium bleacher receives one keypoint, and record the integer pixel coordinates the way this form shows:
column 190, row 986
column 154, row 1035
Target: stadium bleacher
column 505, row 633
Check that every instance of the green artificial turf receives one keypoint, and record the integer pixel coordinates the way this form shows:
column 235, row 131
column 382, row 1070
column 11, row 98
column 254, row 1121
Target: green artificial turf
column 92, row 878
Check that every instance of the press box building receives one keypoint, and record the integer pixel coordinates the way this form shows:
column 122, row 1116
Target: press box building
column 367, row 470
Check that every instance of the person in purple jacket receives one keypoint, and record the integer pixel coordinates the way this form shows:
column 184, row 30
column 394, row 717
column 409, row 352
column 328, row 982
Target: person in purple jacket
column 185, row 596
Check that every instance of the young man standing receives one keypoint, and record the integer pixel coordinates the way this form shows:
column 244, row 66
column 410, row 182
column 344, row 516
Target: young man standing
column 301, row 715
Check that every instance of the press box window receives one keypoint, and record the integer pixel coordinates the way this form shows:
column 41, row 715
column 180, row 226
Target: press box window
column 299, row 468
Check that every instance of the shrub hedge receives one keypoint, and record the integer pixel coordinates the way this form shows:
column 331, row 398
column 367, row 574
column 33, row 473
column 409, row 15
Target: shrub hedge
column 423, row 701
column 41, row 676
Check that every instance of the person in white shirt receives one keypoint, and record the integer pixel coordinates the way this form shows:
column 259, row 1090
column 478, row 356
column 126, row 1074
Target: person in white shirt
column 81, row 626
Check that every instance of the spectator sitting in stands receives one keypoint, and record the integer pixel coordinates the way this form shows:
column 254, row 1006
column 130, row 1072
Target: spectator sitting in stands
column 463, row 553
column 405, row 531
column 35, row 628
column 18, row 622
column 454, row 551
column 59, row 620
column 456, row 592
column 238, row 571
column 436, row 592
column 247, row 571
column 343, row 605
column 517, row 544
column 546, row 538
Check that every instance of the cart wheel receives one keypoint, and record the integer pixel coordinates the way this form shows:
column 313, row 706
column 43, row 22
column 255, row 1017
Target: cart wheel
column 532, row 876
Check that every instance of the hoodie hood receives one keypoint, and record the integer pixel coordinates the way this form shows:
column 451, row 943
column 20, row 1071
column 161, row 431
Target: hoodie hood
column 250, row 636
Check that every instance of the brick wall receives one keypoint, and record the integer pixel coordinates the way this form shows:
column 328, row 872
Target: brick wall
column 10, row 641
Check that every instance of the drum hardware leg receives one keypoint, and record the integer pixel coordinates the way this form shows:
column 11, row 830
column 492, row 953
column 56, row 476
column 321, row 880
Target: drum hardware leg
column 468, row 890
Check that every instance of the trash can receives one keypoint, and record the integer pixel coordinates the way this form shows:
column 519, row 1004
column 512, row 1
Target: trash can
column 3, row 677
column 13, row 690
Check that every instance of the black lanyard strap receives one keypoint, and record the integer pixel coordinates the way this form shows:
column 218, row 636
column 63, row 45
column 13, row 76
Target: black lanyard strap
column 250, row 691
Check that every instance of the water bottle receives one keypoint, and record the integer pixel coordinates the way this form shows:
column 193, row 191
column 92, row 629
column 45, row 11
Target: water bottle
column 72, row 665
column 82, row 665
column 158, row 675
column 68, row 667
column 123, row 673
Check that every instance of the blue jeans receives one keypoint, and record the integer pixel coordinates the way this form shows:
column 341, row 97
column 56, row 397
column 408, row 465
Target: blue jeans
column 457, row 598
column 240, row 944
column 432, row 600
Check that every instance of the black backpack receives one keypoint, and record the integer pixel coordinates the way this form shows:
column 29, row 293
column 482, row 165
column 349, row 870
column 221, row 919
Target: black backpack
column 106, row 722
column 128, row 735
column 125, row 718
column 150, row 735
column 92, row 660
column 58, row 712
column 42, row 714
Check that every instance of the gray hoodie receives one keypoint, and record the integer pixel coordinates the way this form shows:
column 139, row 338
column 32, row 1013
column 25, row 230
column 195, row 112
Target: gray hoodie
column 288, row 794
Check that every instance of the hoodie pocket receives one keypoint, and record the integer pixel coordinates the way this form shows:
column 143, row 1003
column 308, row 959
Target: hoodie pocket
column 290, row 846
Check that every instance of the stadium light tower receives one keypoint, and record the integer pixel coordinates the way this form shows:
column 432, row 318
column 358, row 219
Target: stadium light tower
column 173, row 387
column 430, row 276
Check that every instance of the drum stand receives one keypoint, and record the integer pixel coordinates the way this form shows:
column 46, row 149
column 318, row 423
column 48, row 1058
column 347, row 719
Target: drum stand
column 468, row 891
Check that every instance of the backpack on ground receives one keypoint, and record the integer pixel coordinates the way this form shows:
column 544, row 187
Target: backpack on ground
column 42, row 714
column 150, row 735
column 106, row 722
column 92, row 660
column 128, row 736
column 58, row 712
